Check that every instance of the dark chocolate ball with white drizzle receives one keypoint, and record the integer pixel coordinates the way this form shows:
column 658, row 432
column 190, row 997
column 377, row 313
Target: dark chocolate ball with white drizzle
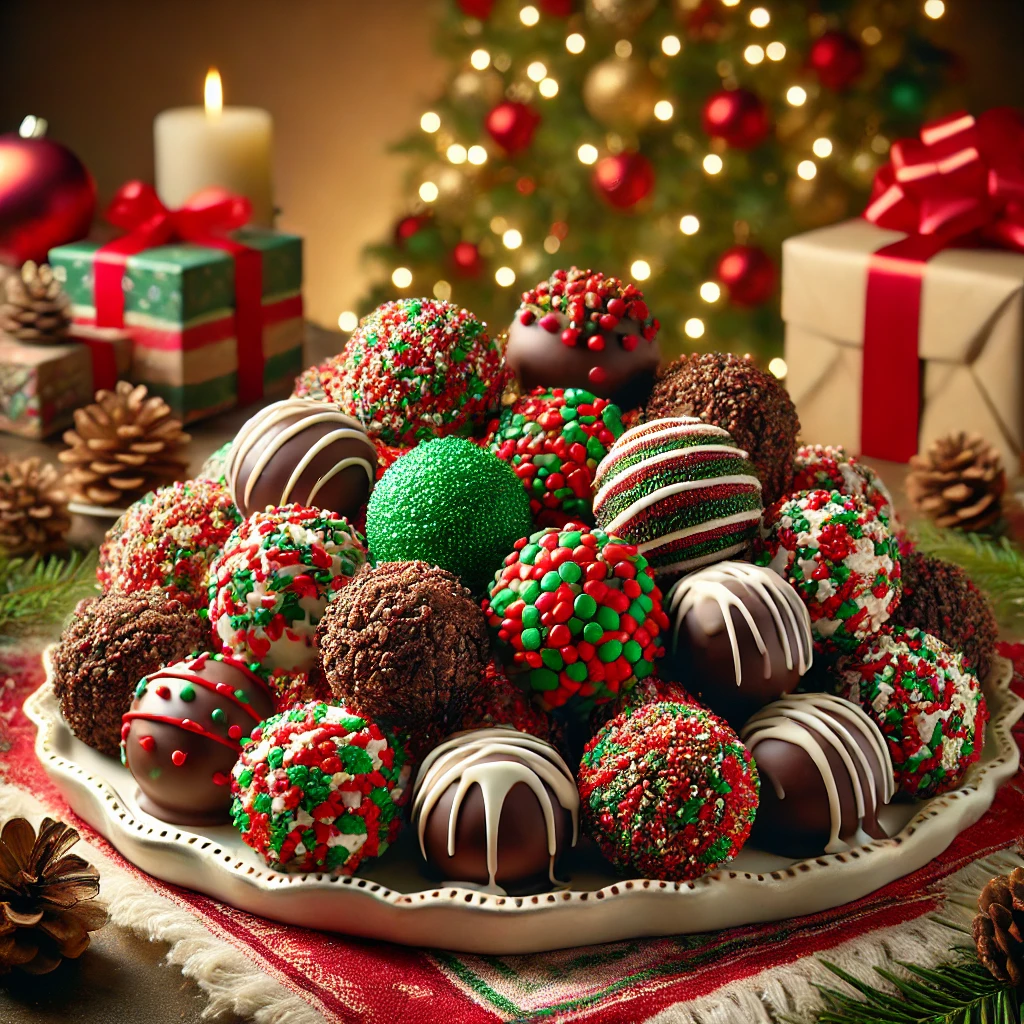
column 495, row 809
column 302, row 451
column 741, row 637
column 825, row 774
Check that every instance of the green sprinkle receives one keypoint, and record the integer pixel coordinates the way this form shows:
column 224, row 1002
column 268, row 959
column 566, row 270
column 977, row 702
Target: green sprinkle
column 550, row 581
column 608, row 617
column 570, row 572
column 552, row 659
column 610, row 650
column 187, row 693
column 584, row 606
column 543, row 679
column 531, row 616
column 531, row 639
column 217, row 714
column 593, row 632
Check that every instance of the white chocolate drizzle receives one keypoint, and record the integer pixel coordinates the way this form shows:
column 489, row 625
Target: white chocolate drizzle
column 495, row 760
column 815, row 722
column 254, row 433
column 787, row 610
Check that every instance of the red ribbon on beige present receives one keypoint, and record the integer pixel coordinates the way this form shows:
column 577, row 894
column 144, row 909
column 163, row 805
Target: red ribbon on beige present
column 960, row 184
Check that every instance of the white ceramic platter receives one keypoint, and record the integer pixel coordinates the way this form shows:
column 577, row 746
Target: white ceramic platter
column 395, row 902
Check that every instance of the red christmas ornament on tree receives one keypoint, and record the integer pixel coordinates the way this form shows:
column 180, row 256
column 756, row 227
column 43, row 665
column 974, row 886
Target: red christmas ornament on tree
column 476, row 8
column 738, row 116
column 409, row 226
column 466, row 259
column 748, row 273
column 623, row 180
column 557, row 8
column 837, row 59
column 706, row 21
column 511, row 125
column 47, row 198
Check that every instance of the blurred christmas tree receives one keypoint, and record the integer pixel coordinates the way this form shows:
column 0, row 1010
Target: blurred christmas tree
column 674, row 142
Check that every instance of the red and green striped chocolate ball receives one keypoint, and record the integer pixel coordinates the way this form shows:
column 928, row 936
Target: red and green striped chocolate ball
column 682, row 491
column 927, row 703
column 667, row 791
column 580, row 614
column 553, row 439
column 319, row 788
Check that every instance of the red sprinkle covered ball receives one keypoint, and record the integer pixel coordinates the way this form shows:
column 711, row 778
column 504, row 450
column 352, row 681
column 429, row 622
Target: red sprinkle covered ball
column 580, row 615
column 667, row 791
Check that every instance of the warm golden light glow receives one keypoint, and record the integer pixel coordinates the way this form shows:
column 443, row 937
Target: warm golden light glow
column 213, row 93
column 575, row 43
column 730, row 3
column 710, row 291
column 872, row 35
column 587, row 153
column 807, row 169
column 477, row 155
column 498, row 224
column 512, row 239
column 822, row 147
column 480, row 59
column 505, row 276
column 536, row 71
column 753, row 54
column 401, row 277
column 670, row 46
column 689, row 225
column 759, row 17
column 663, row 110
column 442, row 291
column 623, row 48
column 934, row 8
column 457, row 153
column 778, row 367
column 775, row 51
column 548, row 88
column 796, row 95
column 713, row 163
column 428, row 192
column 430, row 122
column 348, row 321
column 640, row 270
column 552, row 244
column 529, row 16
column 694, row 327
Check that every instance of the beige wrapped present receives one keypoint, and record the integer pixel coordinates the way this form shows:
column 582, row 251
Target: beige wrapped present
column 970, row 338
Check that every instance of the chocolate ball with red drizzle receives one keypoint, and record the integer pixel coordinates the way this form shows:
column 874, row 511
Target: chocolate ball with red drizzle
column 582, row 329
column 184, row 731
column 554, row 439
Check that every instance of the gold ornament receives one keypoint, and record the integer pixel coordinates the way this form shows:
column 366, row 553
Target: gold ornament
column 624, row 16
column 621, row 93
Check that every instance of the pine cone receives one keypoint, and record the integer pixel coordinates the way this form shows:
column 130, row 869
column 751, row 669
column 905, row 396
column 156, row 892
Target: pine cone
column 33, row 508
column 35, row 307
column 48, row 901
column 958, row 482
column 125, row 444
column 998, row 929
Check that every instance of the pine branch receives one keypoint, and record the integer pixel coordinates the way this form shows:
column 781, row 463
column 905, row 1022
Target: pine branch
column 37, row 593
column 996, row 565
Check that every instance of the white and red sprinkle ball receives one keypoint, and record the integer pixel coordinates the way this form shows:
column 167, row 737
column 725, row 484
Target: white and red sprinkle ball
column 832, row 468
column 838, row 553
column 682, row 491
column 927, row 703
column 319, row 788
column 269, row 587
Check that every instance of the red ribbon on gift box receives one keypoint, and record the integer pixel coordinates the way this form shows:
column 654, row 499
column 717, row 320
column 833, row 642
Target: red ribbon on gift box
column 204, row 220
column 961, row 183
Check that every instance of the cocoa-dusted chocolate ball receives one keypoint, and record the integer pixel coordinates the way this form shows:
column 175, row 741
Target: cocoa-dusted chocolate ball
column 825, row 773
column 183, row 733
column 495, row 808
column 733, row 393
column 109, row 645
column 300, row 450
column 406, row 644
column 741, row 637
column 582, row 329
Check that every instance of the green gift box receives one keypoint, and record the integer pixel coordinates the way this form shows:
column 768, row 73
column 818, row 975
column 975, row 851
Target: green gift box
column 179, row 308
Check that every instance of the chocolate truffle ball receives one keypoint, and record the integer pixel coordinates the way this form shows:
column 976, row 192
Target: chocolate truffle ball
column 109, row 645
column 183, row 733
column 682, row 491
column 302, row 451
column 939, row 598
column 495, row 808
column 733, row 393
column 406, row 644
column 581, row 329
column 319, row 788
column 741, row 637
column 667, row 791
column 451, row 503
column 927, row 703
column 825, row 773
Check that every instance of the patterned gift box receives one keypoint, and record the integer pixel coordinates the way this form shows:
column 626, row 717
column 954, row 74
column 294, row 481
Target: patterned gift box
column 179, row 309
column 41, row 386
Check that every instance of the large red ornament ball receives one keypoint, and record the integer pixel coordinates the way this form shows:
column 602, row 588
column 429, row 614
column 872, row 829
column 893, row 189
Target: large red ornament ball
column 738, row 116
column 466, row 259
column 837, row 59
column 511, row 125
column 476, row 8
column 748, row 273
column 623, row 180
column 47, row 198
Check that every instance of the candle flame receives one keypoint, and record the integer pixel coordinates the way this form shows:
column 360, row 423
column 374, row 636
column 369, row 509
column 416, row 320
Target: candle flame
column 213, row 93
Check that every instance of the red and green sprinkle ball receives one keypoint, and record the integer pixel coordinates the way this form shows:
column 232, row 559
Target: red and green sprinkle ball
column 832, row 468
column 319, row 788
column 414, row 369
column 167, row 539
column 269, row 587
column 680, row 489
column 838, row 553
column 925, row 700
column 667, row 791
column 579, row 614
column 553, row 440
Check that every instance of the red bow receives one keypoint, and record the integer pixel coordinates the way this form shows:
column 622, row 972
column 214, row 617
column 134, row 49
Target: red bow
column 964, row 177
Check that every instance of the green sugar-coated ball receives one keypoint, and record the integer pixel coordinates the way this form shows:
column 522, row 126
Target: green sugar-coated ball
column 450, row 503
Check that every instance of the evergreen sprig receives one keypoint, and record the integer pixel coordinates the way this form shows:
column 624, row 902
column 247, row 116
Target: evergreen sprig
column 36, row 592
column 995, row 564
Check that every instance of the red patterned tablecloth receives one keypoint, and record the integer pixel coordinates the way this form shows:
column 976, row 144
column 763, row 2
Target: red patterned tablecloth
column 674, row 980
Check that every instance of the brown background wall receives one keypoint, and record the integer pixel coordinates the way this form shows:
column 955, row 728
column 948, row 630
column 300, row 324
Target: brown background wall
column 342, row 78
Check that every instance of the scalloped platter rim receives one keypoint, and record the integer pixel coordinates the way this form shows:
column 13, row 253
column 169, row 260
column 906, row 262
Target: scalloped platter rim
column 394, row 901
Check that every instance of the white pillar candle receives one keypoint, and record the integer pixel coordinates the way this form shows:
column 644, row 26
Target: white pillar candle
column 197, row 147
